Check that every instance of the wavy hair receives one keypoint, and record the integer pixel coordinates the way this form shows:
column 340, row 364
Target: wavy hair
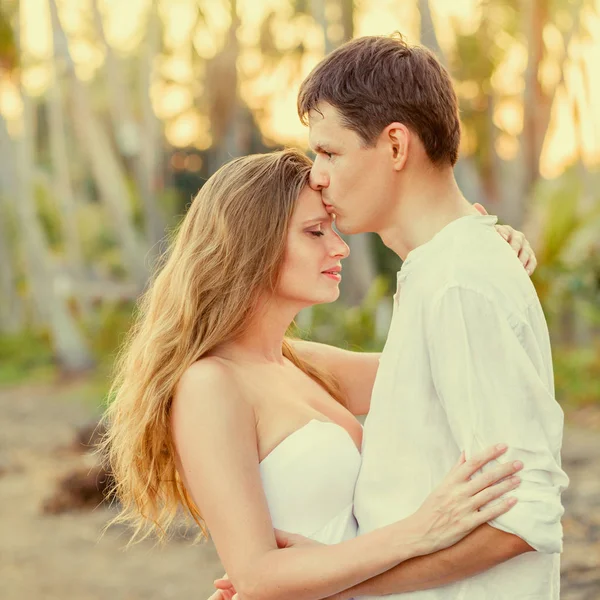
column 227, row 252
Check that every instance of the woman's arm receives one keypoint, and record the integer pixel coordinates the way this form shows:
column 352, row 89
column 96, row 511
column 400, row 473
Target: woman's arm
column 355, row 371
column 215, row 436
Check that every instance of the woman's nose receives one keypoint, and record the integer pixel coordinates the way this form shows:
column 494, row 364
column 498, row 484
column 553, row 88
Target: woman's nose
column 340, row 248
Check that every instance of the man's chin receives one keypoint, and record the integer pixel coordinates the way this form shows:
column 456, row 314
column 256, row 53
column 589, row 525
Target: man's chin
column 346, row 228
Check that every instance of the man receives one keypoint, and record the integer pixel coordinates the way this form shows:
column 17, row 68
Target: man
column 468, row 343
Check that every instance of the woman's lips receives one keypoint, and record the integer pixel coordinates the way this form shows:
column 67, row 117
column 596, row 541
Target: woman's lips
column 335, row 273
column 334, row 276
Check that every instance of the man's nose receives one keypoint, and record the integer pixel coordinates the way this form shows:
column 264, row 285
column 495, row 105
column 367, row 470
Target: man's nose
column 318, row 178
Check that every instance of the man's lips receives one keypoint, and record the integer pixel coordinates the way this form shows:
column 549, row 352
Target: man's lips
column 329, row 208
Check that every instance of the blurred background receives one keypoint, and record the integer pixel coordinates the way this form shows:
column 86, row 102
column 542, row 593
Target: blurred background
column 114, row 113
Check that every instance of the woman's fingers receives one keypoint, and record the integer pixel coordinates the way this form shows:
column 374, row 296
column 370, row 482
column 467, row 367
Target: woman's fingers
column 531, row 264
column 527, row 257
column 461, row 461
column 472, row 465
column 505, row 231
column 517, row 241
column 494, row 492
column 480, row 208
column 484, row 480
column 489, row 513
column 520, row 245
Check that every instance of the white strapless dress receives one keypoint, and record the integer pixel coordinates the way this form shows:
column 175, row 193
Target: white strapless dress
column 309, row 481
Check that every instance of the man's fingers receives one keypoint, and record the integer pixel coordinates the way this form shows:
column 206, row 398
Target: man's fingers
column 223, row 584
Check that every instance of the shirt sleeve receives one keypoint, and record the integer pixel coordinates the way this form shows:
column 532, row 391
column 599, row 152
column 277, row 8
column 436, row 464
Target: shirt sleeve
column 494, row 389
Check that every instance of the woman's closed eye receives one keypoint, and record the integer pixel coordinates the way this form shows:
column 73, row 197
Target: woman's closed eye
column 317, row 233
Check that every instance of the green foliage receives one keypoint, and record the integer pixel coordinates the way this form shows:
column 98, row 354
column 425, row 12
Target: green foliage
column 388, row 262
column 26, row 356
column 49, row 216
column 354, row 328
column 577, row 375
column 111, row 323
column 9, row 56
column 567, row 248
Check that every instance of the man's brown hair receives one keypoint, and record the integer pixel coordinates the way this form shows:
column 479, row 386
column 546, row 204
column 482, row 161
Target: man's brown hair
column 375, row 80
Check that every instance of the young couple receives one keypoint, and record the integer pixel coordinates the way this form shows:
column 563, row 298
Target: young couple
column 216, row 410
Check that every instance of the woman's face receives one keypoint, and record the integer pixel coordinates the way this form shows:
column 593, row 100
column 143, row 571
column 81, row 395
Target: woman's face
column 311, row 270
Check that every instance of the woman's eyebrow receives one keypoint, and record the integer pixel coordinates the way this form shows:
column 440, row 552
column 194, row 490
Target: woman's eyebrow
column 316, row 221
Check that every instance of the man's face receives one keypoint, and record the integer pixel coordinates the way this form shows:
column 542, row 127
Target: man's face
column 355, row 180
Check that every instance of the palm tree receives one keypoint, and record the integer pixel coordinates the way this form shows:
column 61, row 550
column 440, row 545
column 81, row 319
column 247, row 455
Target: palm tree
column 71, row 351
column 107, row 171
column 136, row 144
column 61, row 185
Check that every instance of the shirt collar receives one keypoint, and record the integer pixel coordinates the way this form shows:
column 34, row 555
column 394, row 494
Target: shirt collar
column 420, row 254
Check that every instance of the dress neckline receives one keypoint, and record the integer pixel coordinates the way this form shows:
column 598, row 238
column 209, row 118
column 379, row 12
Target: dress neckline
column 285, row 441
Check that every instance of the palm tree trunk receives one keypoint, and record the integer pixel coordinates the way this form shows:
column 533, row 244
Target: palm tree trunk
column 127, row 131
column 107, row 171
column 11, row 314
column 70, row 348
column 63, row 188
column 152, row 134
column 428, row 36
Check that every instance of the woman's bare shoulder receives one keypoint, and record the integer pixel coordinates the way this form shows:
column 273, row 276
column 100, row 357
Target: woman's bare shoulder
column 207, row 382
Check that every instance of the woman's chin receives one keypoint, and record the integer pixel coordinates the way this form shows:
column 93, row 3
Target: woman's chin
column 328, row 298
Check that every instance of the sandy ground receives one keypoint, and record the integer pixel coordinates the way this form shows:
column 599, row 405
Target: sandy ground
column 46, row 557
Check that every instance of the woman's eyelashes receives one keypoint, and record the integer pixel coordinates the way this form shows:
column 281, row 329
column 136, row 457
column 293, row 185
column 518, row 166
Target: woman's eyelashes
column 317, row 233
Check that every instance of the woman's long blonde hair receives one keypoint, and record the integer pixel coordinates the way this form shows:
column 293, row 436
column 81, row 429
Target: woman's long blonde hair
column 227, row 252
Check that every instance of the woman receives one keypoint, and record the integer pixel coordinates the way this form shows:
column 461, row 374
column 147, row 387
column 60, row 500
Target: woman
column 216, row 410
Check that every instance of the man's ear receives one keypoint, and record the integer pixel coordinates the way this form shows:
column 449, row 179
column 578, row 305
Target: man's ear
column 480, row 208
column 397, row 136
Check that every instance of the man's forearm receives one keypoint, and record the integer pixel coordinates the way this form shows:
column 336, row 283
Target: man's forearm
column 483, row 549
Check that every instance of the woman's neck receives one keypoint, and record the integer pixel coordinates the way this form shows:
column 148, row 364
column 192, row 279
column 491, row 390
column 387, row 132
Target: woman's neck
column 262, row 340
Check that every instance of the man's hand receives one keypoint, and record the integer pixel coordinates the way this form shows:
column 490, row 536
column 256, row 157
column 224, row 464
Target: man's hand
column 517, row 241
column 225, row 589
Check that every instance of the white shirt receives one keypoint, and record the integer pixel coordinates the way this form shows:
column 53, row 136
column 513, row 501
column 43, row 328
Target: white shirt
column 467, row 364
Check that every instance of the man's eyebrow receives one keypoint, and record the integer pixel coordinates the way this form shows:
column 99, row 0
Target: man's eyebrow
column 319, row 147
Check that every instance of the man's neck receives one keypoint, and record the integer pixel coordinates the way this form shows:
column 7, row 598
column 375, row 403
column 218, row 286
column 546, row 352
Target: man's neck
column 419, row 215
